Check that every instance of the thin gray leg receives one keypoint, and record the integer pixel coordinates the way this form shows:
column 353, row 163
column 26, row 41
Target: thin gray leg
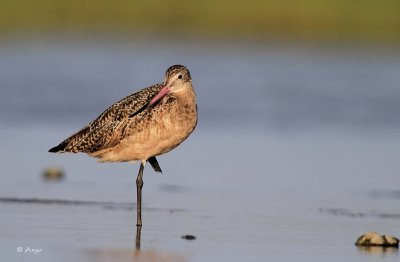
column 139, row 186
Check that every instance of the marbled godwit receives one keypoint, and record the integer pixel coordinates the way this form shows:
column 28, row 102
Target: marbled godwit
column 141, row 126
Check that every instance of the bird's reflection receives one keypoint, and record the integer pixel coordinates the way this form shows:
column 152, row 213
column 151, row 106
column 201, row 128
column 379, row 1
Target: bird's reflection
column 138, row 234
column 372, row 250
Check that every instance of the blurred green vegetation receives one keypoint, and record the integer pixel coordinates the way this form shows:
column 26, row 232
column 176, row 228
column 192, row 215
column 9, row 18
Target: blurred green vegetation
column 370, row 20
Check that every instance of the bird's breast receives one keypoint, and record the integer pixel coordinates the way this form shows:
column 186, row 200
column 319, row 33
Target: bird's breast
column 158, row 131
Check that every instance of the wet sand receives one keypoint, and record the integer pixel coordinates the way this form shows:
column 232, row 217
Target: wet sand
column 279, row 206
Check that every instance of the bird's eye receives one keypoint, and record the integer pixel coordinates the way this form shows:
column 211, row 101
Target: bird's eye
column 180, row 76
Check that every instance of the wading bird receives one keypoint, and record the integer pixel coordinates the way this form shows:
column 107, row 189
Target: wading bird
column 140, row 127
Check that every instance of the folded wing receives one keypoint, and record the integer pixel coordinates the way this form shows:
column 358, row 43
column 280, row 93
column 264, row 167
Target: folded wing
column 108, row 128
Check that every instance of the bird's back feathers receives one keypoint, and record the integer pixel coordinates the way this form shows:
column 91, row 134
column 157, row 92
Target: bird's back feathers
column 96, row 135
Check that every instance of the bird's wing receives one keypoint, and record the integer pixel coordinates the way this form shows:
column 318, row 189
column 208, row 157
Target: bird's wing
column 118, row 130
column 100, row 133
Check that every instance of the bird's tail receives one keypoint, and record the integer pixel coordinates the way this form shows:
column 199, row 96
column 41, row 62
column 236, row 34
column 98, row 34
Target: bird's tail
column 75, row 143
column 59, row 148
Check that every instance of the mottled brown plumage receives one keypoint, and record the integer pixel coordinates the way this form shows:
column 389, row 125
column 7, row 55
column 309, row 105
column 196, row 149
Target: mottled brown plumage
column 141, row 126
column 132, row 130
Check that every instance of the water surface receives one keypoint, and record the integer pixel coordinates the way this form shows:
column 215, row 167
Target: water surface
column 295, row 155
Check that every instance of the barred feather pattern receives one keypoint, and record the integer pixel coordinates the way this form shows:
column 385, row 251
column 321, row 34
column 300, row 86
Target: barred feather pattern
column 143, row 125
column 90, row 138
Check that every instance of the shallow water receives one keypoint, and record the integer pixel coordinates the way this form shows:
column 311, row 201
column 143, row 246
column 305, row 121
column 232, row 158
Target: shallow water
column 295, row 155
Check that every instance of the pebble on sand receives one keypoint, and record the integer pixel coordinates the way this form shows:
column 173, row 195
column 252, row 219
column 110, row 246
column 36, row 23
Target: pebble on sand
column 53, row 173
column 374, row 239
column 189, row 237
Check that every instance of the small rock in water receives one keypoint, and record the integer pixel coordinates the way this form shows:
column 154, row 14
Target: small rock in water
column 53, row 173
column 189, row 237
column 374, row 239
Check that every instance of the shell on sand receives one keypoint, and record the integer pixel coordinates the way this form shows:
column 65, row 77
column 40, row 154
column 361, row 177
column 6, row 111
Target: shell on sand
column 374, row 239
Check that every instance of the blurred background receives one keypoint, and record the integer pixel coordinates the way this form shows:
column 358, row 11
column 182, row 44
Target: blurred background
column 297, row 139
column 315, row 20
column 289, row 63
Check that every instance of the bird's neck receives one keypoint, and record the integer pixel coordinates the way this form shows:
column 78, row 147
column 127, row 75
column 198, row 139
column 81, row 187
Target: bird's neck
column 186, row 95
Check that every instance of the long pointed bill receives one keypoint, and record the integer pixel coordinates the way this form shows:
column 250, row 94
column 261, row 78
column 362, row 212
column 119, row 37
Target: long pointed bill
column 165, row 90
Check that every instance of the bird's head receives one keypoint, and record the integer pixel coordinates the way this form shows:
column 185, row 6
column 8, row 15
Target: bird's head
column 177, row 79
